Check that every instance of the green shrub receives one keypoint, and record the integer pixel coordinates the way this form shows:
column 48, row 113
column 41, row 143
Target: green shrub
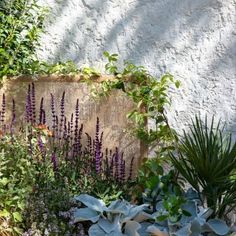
column 17, row 176
column 21, row 22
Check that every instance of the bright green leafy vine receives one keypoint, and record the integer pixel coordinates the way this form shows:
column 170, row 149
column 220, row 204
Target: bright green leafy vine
column 150, row 96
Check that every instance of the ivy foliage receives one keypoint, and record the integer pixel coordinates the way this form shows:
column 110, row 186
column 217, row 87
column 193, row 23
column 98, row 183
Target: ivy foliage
column 150, row 96
column 21, row 22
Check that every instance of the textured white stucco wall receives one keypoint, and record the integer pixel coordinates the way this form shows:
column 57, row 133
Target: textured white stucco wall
column 195, row 40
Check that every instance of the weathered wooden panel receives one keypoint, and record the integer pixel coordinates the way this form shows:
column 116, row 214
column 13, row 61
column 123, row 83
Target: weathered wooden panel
column 111, row 110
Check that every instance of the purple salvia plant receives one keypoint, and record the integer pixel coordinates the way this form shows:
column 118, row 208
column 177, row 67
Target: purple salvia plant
column 13, row 119
column 56, row 126
column 106, row 165
column 68, row 131
column 71, row 128
column 112, row 165
column 41, row 111
column 131, row 169
column 41, row 147
column 98, row 146
column 44, row 116
column 33, row 105
column 116, row 159
column 3, row 111
column 78, row 140
column 76, row 120
column 54, row 161
column 62, row 115
column 122, row 169
column 29, row 106
column 53, row 112
column 89, row 145
column 65, row 135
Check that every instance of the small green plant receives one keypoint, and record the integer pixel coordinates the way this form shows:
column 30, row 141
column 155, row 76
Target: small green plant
column 207, row 160
column 161, row 189
column 17, row 176
column 21, row 22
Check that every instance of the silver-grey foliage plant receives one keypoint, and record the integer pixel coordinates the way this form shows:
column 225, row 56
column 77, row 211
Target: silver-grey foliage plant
column 121, row 218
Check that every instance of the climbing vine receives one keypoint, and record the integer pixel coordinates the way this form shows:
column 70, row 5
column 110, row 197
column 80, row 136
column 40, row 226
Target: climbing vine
column 150, row 96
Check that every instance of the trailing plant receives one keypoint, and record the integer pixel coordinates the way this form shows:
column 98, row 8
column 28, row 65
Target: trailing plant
column 21, row 22
column 207, row 160
column 150, row 97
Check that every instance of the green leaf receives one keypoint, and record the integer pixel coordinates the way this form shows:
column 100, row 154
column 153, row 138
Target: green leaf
column 17, row 216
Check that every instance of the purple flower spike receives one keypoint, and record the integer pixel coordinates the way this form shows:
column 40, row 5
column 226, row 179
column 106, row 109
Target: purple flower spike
column 54, row 161
column 122, row 169
column 117, row 157
column 76, row 119
column 29, row 106
column 3, row 109
column 41, row 147
column 13, row 119
column 53, row 112
column 41, row 112
column 131, row 169
column 62, row 115
column 97, row 149
column 33, row 106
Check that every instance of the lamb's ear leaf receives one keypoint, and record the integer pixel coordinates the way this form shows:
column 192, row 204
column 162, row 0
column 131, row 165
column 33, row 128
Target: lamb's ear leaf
column 134, row 211
column 155, row 231
column 143, row 230
column 143, row 216
column 85, row 214
column 131, row 228
column 191, row 207
column 186, row 231
column 218, row 226
column 91, row 202
column 119, row 207
column 96, row 230
column 195, row 228
column 108, row 226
